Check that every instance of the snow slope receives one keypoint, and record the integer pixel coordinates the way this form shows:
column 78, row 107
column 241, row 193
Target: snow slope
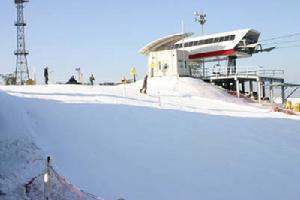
column 183, row 94
column 17, row 149
column 185, row 140
column 21, row 158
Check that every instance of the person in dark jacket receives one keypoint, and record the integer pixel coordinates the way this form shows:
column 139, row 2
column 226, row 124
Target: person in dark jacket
column 92, row 78
column 46, row 75
column 72, row 80
column 144, row 88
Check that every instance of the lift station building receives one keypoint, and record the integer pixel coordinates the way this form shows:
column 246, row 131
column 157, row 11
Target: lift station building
column 184, row 56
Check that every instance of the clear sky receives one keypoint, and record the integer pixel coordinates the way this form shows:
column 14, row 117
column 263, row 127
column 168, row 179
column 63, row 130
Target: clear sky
column 103, row 37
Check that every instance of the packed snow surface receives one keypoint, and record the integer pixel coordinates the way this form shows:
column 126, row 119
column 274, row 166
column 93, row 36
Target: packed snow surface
column 185, row 139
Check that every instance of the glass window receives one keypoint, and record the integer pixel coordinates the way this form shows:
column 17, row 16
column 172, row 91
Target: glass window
column 227, row 38
column 232, row 37
column 190, row 44
column 216, row 40
column 222, row 39
column 211, row 40
column 186, row 44
column 195, row 43
column 200, row 42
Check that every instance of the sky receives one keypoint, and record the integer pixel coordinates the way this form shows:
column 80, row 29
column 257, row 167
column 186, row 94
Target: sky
column 104, row 37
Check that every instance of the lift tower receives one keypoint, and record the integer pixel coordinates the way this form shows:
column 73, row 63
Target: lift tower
column 22, row 72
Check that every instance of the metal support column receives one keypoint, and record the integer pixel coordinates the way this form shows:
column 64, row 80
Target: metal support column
column 243, row 87
column 251, row 88
column 237, row 84
column 282, row 95
column 259, row 91
column 263, row 90
column 271, row 91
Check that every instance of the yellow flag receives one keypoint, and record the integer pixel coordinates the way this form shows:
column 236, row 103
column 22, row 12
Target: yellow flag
column 132, row 71
column 152, row 65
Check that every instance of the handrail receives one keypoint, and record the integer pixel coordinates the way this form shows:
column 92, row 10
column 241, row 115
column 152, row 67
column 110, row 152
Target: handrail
column 224, row 71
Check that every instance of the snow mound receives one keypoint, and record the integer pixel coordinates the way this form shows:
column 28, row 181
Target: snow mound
column 186, row 87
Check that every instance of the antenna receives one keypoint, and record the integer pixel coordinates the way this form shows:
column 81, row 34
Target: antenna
column 22, row 72
column 201, row 18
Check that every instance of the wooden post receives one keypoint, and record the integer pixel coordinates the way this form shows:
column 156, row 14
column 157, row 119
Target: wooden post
column 47, row 180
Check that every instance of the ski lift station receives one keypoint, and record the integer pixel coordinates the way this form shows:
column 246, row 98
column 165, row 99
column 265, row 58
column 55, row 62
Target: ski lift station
column 185, row 56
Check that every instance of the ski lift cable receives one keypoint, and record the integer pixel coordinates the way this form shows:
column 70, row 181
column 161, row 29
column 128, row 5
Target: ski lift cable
column 287, row 47
column 280, row 42
column 281, row 37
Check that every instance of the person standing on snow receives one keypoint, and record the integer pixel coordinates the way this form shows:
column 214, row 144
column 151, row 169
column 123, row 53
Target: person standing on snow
column 46, row 75
column 92, row 78
column 144, row 88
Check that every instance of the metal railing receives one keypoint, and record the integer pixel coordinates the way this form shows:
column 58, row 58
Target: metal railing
column 225, row 71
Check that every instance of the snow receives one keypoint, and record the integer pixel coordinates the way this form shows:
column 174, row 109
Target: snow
column 183, row 94
column 185, row 139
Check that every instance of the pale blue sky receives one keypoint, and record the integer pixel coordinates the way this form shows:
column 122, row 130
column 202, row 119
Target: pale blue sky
column 103, row 37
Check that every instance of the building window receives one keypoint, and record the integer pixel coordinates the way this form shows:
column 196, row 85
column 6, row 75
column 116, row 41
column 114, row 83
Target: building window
column 206, row 41
column 172, row 47
column 211, row 40
column 227, row 38
column 216, row 40
column 222, row 39
column 178, row 46
column 200, row 42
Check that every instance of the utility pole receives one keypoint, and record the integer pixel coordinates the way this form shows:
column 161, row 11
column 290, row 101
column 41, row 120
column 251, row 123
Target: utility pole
column 22, row 72
column 200, row 18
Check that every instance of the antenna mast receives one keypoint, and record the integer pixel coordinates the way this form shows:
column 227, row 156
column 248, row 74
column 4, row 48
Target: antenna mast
column 22, row 72
column 201, row 18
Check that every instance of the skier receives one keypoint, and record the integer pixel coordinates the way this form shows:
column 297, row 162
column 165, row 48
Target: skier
column 92, row 78
column 144, row 88
column 46, row 75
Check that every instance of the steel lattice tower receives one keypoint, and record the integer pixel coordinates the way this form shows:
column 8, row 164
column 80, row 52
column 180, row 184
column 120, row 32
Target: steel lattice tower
column 22, row 72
